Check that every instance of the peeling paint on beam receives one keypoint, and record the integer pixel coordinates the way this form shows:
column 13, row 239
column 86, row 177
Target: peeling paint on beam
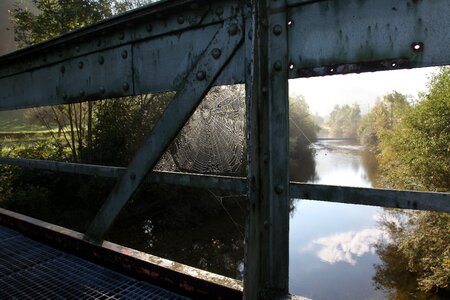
column 353, row 36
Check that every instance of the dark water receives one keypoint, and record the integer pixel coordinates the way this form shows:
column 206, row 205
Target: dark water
column 331, row 245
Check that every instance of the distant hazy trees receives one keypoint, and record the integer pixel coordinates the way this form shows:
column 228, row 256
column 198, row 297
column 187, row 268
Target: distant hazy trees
column 344, row 121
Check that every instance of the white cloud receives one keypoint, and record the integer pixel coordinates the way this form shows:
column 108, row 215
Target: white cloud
column 346, row 246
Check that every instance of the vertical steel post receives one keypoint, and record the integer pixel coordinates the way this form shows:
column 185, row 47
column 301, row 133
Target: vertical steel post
column 267, row 253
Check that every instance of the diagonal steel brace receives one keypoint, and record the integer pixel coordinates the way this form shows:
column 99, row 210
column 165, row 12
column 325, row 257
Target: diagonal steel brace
column 190, row 93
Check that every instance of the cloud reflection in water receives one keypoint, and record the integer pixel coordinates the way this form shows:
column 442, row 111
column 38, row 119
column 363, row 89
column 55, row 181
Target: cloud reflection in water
column 345, row 246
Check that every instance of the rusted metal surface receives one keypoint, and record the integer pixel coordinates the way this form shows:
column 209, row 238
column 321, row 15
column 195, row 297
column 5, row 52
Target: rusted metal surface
column 181, row 279
column 353, row 36
column 267, row 254
column 144, row 51
column 192, row 89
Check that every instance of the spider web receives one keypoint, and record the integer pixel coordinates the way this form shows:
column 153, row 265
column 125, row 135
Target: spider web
column 213, row 140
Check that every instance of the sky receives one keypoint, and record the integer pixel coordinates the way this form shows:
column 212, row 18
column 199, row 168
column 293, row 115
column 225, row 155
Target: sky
column 323, row 93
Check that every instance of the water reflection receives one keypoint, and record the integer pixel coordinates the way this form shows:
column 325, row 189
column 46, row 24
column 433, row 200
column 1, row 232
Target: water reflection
column 333, row 243
column 345, row 246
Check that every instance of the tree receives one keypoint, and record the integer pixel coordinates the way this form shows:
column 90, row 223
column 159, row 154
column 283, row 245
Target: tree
column 415, row 155
column 344, row 120
column 302, row 133
column 385, row 116
column 56, row 17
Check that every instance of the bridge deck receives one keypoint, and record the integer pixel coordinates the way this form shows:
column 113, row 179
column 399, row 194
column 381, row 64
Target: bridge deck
column 31, row 270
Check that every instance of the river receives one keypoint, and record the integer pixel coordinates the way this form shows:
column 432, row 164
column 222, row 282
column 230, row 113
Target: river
column 331, row 244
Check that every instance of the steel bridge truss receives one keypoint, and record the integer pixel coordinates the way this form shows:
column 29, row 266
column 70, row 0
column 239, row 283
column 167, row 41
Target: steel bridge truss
column 188, row 46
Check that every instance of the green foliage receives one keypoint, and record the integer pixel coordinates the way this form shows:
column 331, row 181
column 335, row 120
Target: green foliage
column 418, row 257
column 414, row 154
column 386, row 115
column 302, row 132
column 344, row 121
column 122, row 124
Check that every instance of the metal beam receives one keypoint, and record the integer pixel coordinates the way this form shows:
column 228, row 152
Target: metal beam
column 416, row 200
column 353, row 36
column 192, row 90
column 267, row 253
column 224, row 183
column 110, row 59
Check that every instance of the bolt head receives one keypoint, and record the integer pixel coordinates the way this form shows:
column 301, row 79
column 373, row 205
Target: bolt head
column 201, row 75
column 101, row 60
column 63, row 69
column 80, row 65
column 124, row 54
column 125, row 86
column 102, row 90
column 277, row 65
column 121, row 35
column 277, row 30
column 233, row 29
column 279, row 189
column 77, row 48
column 149, row 27
column 180, row 20
column 219, row 11
column 216, row 52
column 266, row 224
column 82, row 93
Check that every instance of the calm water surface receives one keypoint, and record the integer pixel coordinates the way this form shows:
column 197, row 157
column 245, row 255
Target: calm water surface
column 331, row 245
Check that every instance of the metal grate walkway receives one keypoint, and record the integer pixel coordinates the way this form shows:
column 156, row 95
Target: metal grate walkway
column 30, row 270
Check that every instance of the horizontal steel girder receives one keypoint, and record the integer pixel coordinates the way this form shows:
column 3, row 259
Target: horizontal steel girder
column 324, row 37
column 339, row 194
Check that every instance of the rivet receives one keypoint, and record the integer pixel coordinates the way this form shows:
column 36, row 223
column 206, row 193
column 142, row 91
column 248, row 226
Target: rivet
column 125, row 86
column 277, row 66
column 132, row 176
column 77, row 48
column 277, row 30
column 102, row 90
column 149, row 27
column 180, row 20
column 216, row 53
column 233, row 29
column 264, row 89
column 201, row 75
column 82, row 93
column 101, row 60
column 219, row 11
column 121, row 35
column 266, row 224
column 80, row 65
column 63, row 69
column 124, row 54
column 279, row 189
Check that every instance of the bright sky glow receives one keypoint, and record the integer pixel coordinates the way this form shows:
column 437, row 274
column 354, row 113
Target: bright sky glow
column 323, row 93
